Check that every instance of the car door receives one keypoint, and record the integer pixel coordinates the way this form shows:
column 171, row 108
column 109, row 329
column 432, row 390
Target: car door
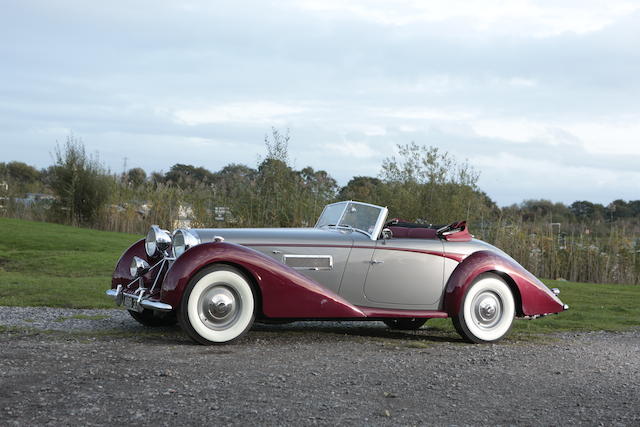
column 406, row 273
column 325, row 265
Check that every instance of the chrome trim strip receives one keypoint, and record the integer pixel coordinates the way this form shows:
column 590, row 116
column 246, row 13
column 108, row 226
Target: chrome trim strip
column 155, row 305
column 146, row 303
column 285, row 257
column 155, row 281
column 380, row 223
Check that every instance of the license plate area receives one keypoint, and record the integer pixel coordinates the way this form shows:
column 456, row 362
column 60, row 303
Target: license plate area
column 131, row 303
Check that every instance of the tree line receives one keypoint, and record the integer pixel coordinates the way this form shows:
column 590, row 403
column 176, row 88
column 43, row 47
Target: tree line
column 581, row 241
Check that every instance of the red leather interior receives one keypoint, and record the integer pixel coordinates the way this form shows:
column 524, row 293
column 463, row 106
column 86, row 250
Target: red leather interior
column 413, row 233
column 422, row 233
column 399, row 232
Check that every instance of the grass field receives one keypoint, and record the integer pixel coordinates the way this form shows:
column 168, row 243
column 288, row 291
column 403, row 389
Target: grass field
column 53, row 265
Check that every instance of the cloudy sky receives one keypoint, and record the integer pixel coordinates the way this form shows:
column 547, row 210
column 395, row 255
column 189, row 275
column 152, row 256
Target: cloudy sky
column 542, row 97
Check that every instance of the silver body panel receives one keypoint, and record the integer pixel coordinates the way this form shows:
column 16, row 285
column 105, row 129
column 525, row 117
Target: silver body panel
column 398, row 273
column 398, row 277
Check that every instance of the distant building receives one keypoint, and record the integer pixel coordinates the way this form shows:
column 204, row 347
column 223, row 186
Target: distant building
column 144, row 210
column 185, row 217
column 33, row 198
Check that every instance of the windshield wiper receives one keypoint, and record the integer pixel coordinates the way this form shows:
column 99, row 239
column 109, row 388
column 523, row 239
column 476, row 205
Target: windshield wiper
column 349, row 227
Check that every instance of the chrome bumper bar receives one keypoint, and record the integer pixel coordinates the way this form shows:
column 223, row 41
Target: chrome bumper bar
column 118, row 295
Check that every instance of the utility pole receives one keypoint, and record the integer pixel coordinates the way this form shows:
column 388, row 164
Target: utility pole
column 124, row 168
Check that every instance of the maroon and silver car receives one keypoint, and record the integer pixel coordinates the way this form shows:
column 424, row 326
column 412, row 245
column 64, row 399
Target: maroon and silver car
column 355, row 264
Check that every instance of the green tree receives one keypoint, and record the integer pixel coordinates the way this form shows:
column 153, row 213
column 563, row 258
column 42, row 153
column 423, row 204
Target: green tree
column 19, row 172
column 136, row 177
column 188, row 176
column 276, row 183
column 80, row 182
column 430, row 185
column 363, row 189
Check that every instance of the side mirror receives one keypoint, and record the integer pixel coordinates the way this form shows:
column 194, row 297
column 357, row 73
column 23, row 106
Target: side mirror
column 386, row 234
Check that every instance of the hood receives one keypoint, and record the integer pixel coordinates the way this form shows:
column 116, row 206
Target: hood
column 248, row 236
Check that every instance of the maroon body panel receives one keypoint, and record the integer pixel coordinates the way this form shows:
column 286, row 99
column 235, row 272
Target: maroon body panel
column 536, row 298
column 460, row 236
column 121, row 275
column 285, row 293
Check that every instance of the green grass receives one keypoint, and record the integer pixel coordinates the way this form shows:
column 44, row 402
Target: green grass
column 591, row 307
column 53, row 265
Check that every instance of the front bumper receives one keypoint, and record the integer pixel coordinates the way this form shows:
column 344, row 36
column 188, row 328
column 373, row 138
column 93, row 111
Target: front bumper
column 141, row 301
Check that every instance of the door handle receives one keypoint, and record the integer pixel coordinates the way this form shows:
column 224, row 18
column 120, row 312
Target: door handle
column 373, row 261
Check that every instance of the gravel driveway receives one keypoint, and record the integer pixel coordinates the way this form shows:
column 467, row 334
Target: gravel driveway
column 102, row 368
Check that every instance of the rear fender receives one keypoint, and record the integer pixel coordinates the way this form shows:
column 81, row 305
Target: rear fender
column 534, row 296
column 285, row 293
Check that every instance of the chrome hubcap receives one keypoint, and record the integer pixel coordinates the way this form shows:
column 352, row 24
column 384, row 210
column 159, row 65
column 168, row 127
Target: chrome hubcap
column 487, row 309
column 218, row 307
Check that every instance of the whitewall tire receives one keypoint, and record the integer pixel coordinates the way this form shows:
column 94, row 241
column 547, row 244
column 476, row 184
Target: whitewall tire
column 487, row 310
column 218, row 305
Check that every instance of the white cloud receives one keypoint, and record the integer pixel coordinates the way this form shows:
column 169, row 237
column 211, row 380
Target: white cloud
column 358, row 150
column 522, row 17
column 261, row 112
column 620, row 136
column 519, row 178
column 424, row 113
column 522, row 82
column 357, row 78
column 516, row 130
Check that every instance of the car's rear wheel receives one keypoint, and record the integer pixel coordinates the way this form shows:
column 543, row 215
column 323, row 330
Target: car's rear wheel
column 218, row 305
column 487, row 310
column 149, row 318
column 405, row 324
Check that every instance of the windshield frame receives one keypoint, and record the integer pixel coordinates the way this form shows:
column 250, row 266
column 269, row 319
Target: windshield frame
column 377, row 229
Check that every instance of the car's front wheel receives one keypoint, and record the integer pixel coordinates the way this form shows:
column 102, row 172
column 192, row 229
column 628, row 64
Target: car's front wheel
column 218, row 305
column 487, row 310
column 405, row 324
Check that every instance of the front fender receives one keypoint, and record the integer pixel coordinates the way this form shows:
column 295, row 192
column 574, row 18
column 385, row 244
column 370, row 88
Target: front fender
column 285, row 293
column 121, row 274
column 536, row 298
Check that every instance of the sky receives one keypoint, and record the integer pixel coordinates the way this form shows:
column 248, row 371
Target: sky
column 541, row 97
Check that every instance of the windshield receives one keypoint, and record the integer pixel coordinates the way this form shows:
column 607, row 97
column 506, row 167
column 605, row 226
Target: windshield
column 331, row 214
column 359, row 216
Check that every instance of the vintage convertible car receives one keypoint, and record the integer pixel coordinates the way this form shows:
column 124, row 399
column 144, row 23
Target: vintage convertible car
column 353, row 265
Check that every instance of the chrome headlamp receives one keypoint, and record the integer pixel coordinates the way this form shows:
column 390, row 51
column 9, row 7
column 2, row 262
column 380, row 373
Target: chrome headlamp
column 183, row 240
column 157, row 241
column 139, row 267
